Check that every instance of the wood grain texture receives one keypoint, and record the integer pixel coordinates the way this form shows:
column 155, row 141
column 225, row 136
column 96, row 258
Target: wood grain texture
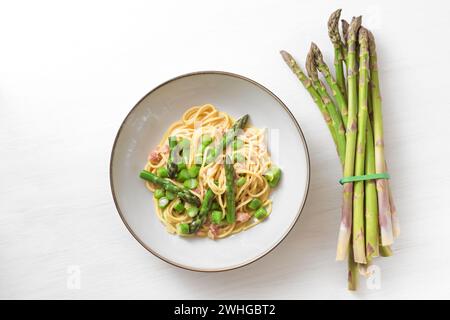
column 69, row 75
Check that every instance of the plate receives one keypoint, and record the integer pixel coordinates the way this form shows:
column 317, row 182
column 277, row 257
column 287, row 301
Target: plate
column 143, row 128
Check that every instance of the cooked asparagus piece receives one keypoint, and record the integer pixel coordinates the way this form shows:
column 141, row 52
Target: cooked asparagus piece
column 185, row 195
column 230, row 192
column 228, row 138
column 273, row 176
column 336, row 119
column 292, row 64
column 172, row 168
column 349, row 164
column 203, row 213
column 335, row 37
column 337, row 93
column 384, row 210
column 359, row 250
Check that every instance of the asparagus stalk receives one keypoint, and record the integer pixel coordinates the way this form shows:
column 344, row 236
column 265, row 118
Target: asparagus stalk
column 335, row 37
column 395, row 221
column 230, row 194
column 352, row 271
column 228, row 137
column 384, row 210
column 290, row 61
column 385, row 251
column 358, row 195
column 337, row 93
column 347, row 207
column 371, row 213
column 203, row 213
column 335, row 117
column 183, row 194
column 172, row 167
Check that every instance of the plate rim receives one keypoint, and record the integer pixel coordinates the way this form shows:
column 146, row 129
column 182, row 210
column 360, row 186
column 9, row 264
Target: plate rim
column 289, row 229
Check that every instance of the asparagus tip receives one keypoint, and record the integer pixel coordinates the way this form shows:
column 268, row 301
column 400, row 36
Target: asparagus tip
column 363, row 34
column 372, row 46
column 286, row 56
column 333, row 27
column 310, row 65
column 345, row 25
column 317, row 54
column 354, row 26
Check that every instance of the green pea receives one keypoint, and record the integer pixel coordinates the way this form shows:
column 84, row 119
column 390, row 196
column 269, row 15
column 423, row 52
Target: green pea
column 237, row 144
column 170, row 195
column 181, row 166
column 183, row 175
column 261, row 213
column 162, row 172
column 190, row 183
column 163, row 202
column 206, row 140
column 216, row 216
column 179, row 207
column 182, row 228
column 255, row 204
column 159, row 193
column 241, row 181
column 193, row 171
column 192, row 211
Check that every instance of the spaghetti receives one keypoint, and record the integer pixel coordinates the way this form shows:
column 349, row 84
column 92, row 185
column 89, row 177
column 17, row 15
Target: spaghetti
column 197, row 135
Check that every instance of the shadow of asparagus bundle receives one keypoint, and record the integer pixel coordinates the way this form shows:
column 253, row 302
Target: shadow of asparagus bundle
column 353, row 115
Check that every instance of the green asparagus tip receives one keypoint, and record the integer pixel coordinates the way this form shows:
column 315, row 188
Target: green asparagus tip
column 286, row 57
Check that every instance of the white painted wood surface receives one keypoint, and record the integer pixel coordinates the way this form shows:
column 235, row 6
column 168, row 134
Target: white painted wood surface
column 69, row 73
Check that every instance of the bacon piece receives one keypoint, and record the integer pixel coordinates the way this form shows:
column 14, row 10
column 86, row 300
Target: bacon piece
column 213, row 230
column 242, row 216
column 154, row 157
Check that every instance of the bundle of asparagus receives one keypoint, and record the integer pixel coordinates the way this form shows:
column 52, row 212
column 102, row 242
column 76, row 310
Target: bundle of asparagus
column 353, row 114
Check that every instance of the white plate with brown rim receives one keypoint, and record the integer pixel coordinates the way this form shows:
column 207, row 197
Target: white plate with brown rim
column 142, row 129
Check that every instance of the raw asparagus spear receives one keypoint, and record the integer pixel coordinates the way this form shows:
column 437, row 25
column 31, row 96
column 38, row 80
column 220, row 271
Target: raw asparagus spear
column 395, row 221
column 385, row 251
column 371, row 210
column 335, row 37
column 203, row 213
column 335, row 116
column 230, row 194
column 347, row 206
column 185, row 195
column 309, row 87
column 337, row 93
column 352, row 278
column 358, row 195
column 384, row 210
column 345, row 25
